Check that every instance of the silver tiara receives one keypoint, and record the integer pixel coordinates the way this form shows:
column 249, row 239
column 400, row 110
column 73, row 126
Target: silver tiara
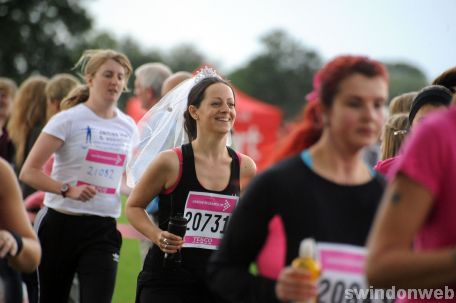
column 206, row 72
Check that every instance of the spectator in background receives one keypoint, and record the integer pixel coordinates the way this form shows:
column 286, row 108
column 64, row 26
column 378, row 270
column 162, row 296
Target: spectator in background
column 430, row 99
column 174, row 80
column 149, row 81
column 19, row 246
column 58, row 87
column 28, row 116
column 393, row 135
column 56, row 90
column 447, row 79
column 7, row 92
column 401, row 103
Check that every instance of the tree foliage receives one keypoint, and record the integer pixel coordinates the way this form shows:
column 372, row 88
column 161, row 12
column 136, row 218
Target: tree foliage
column 47, row 37
column 405, row 78
column 184, row 57
column 281, row 74
column 40, row 36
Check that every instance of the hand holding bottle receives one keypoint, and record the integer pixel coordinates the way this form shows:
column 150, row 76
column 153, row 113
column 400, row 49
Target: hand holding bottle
column 298, row 282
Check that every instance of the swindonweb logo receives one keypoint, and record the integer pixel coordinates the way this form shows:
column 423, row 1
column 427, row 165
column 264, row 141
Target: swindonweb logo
column 393, row 293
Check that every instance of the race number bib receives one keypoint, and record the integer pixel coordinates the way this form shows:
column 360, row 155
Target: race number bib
column 208, row 215
column 102, row 170
column 342, row 275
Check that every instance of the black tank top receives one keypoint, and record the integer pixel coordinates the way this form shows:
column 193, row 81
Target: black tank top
column 171, row 204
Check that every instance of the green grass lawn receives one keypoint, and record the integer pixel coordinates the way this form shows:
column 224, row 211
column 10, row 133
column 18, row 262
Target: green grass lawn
column 129, row 267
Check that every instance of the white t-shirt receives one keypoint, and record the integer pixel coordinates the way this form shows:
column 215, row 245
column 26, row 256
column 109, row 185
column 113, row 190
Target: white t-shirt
column 94, row 151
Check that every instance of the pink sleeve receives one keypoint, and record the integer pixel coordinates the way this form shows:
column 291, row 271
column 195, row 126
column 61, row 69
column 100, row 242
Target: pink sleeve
column 424, row 156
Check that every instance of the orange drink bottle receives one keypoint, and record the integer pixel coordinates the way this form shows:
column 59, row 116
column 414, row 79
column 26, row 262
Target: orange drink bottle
column 307, row 260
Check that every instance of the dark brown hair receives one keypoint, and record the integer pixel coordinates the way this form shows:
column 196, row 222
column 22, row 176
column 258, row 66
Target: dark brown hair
column 195, row 96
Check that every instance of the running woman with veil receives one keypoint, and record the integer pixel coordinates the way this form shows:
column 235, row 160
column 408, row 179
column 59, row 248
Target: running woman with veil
column 199, row 181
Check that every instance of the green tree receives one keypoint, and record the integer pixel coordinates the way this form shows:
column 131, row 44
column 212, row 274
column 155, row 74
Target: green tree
column 184, row 57
column 138, row 56
column 40, row 36
column 405, row 78
column 281, row 74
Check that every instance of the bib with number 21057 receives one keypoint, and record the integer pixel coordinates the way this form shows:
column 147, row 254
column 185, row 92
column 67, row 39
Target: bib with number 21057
column 208, row 215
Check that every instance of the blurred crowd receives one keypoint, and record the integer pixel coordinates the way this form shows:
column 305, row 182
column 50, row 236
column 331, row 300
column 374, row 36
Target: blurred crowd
column 366, row 175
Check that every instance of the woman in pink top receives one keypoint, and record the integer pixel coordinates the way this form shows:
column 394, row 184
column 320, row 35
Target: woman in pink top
column 430, row 99
column 419, row 208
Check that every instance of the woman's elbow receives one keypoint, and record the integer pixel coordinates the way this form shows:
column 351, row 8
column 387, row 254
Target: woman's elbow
column 372, row 274
column 375, row 272
column 24, row 174
column 30, row 257
column 34, row 261
column 129, row 210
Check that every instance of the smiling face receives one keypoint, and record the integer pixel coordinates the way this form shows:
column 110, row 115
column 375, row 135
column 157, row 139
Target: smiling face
column 356, row 116
column 107, row 83
column 217, row 110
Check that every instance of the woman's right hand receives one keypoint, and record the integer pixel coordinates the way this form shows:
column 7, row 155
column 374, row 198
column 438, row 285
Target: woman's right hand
column 8, row 244
column 169, row 243
column 82, row 193
column 295, row 284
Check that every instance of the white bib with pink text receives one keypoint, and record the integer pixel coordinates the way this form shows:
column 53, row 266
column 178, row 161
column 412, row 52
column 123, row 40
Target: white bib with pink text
column 102, row 169
column 208, row 215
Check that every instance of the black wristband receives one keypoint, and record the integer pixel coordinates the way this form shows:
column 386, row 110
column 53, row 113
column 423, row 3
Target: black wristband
column 18, row 240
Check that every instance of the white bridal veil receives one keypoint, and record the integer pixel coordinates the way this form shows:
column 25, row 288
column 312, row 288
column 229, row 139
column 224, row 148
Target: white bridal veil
column 162, row 127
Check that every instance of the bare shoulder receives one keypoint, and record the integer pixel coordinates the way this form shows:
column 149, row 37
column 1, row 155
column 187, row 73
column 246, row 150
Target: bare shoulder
column 248, row 166
column 169, row 159
column 166, row 161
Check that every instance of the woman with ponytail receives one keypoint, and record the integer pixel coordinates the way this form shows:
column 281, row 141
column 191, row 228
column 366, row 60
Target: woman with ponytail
column 91, row 141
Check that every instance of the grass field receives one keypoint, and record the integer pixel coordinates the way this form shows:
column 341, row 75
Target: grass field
column 129, row 267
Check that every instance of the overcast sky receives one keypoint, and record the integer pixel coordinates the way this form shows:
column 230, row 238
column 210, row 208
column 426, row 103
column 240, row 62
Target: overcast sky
column 419, row 32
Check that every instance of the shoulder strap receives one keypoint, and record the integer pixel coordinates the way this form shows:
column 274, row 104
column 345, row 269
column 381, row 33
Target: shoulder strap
column 236, row 164
column 178, row 152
